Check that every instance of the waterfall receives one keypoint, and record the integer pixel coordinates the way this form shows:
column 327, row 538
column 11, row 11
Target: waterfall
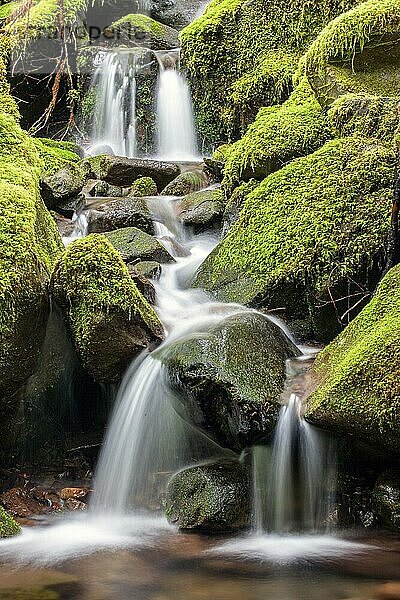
column 115, row 113
column 176, row 130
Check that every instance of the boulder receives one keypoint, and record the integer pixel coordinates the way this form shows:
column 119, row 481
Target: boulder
column 230, row 379
column 386, row 499
column 103, row 189
column 135, row 245
column 62, row 185
column 210, row 497
column 141, row 30
column 109, row 320
column 145, row 287
column 354, row 387
column 186, row 183
column 120, row 213
column 122, row 171
column 201, row 210
column 8, row 526
column 149, row 268
column 144, row 186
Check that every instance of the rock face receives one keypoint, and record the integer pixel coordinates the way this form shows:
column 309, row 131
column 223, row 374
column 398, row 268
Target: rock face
column 8, row 526
column 120, row 213
column 124, row 171
column 135, row 245
column 386, row 499
column 355, row 378
column 201, row 210
column 141, row 30
column 186, row 183
column 210, row 497
column 109, row 320
column 230, row 379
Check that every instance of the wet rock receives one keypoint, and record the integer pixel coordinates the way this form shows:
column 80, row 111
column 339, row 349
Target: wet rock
column 65, row 226
column 120, row 213
column 230, row 379
column 73, row 504
column 186, row 183
column 63, row 185
column 76, row 493
column 123, row 171
column 135, row 245
column 8, row 526
column 386, row 499
column 102, row 189
column 144, row 186
column 149, row 268
column 201, row 210
column 20, row 502
column 210, row 497
column 141, row 30
column 144, row 286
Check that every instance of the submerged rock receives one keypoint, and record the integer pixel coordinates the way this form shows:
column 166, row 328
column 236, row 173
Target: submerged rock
column 109, row 320
column 120, row 213
column 230, row 379
column 356, row 380
column 123, row 171
column 135, row 245
column 8, row 526
column 186, row 183
column 210, row 497
column 201, row 210
column 386, row 499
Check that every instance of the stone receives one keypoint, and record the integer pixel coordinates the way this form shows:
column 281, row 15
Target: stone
column 135, row 245
column 103, row 189
column 144, row 286
column 201, row 210
column 186, row 183
column 64, row 184
column 210, row 497
column 141, row 30
column 144, row 186
column 149, row 268
column 120, row 213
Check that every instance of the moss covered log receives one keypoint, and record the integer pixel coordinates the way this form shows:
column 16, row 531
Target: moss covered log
column 357, row 377
column 108, row 318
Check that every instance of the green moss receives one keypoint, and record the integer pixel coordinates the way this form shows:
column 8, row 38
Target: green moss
column 144, row 186
column 8, row 526
column 359, row 386
column 221, row 153
column 365, row 116
column 279, row 134
column 240, row 56
column 142, row 22
column 7, row 9
column 56, row 155
column 307, row 227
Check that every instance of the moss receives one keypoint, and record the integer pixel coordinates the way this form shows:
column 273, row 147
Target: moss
column 279, row 134
column 142, row 22
column 359, row 386
column 370, row 116
column 236, row 202
column 93, row 285
column 7, row 9
column 186, row 183
column 221, row 153
column 144, row 186
column 240, row 56
column 307, row 227
column 8, row 526
column 57, row 155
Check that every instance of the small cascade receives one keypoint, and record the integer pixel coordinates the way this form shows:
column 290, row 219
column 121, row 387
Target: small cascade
column 115, row 113
column 176, row 129
column 80, row 229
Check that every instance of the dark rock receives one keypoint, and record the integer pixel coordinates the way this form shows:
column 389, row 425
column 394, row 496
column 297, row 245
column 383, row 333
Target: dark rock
column 67, row 208
column 144, row 286
column 135, row 245
column 102, row 189
column 210, row 497
column 65, row 226
column 175, row 13
column 186, row 183
column 149, row 268
column 123, row 171
column 201, row 210
column 230, row 379
column 386, row 499
column 120, row 213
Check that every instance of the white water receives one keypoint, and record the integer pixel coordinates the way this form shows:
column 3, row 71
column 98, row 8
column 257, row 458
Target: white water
column 115, row 114
column 80, row 229
column 176, row 131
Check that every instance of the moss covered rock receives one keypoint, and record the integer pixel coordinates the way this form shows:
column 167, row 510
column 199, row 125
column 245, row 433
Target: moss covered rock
column 186, row 183
column 201, row 210
column 210, row 497
column 236, row 203
column 135, row 245
column 230, row 378
column 8, row 526
column 141, row 30
column 307, row 233
column 108, row 318
column 144, row 186
column 357, row 388
column 386, row 499
column 120, row 213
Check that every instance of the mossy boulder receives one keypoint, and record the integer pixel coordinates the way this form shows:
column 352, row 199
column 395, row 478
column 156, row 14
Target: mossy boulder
column 311, row 233
column 136, row 245
column 120, row 213
column 8, row 526
column 144, row 186
column 357, row 52
column 229, row 379
column 210, row 497
column 386, row 499
column 122, row 171
column 236, row 203
column 109, row 320
column 279, row 134
column 355, row 378
column 202, row 210
column 142, row 30
column 186, row 183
